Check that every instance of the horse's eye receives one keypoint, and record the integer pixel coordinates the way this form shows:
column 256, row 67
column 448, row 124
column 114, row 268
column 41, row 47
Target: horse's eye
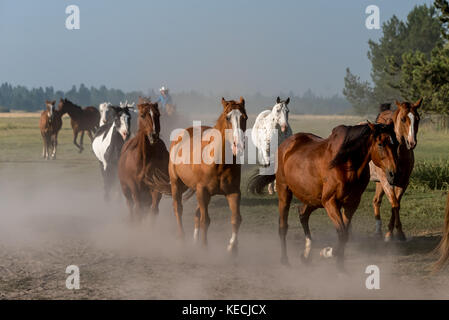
column 403, row 119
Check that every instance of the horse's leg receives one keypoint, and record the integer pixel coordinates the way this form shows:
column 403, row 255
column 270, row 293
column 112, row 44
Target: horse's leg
column 236, row 220
column 89, row 133
column 156, row 198
column 304, row 214
column 333, row 211
column 48, row 147
column 399, row 192
column 177, row 205
column 81, row 141
column 203, row 198
column 75, row 136
column 196, row 231
column 285, row 198
column 377, row 202
column 55, row 145
column 44, row 148
column 389, row 192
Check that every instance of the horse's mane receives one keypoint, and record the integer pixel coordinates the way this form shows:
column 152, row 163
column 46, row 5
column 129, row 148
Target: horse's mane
column 354, row 140
column 103, row 129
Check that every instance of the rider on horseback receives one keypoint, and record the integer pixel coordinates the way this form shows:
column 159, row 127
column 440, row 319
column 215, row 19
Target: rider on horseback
column 164, row 100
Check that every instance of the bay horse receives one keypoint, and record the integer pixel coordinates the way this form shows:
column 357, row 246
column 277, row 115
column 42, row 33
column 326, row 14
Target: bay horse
column 267, row 123
column 143, row 164
column 206, row 178
column 108, row 142
column 443, row 246
column 81, row 119
column 331, row 173
column 405, row 120
column 50, row 123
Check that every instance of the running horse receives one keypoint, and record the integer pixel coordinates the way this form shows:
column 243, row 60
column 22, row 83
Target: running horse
column 50, row 123
column 143, row 164
column 81, row 119
column 218, row 173
column 331, row 173
column 406, row 121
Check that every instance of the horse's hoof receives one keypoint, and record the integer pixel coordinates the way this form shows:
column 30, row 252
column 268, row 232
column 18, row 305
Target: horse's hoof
column 232, row 250
column 305, row 260
column 388, row 236
column 400, row 236
column 284, row 261
column 326, row 252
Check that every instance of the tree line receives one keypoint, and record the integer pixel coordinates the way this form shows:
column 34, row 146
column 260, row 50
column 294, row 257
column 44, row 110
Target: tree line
column 409, row 61
column 21, row 98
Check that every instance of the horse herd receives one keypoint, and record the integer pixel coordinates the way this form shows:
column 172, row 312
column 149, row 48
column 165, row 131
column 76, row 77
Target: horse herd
column 330, row 173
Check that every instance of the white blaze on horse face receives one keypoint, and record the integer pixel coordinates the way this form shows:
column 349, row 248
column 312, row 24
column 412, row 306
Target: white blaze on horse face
column 50, row 110
column 411, row 130
column 104, row 112
column 237, row 134
column 124, row 126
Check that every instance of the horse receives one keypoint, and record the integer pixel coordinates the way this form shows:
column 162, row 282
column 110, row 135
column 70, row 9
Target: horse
column 143, row 164
column 108, row 142
column 209, row 178
column 406, row 121
column 81, row 119
column 331, row 173
column 106, row 114
column 443, row 246
column 50, row 123
column 267, row 123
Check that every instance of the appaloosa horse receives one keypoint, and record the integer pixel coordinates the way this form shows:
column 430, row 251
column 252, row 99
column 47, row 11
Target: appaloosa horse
column 268, row 123
column 108, row 143
column 331, row 173
column 143, row 164
column 209, row 168
column 406, row 121
column 50, row 123
column 81, row 119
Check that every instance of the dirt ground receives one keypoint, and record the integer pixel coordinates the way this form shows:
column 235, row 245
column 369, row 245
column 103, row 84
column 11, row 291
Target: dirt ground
column 49, row 221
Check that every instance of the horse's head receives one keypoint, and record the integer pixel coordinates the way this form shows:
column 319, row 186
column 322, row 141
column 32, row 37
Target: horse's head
column 280, row 113
column 63, row 104
column 406, row 122
column 50, row 105
column 235, row 117
column 384, row 149
column 122, row 120
column 105, row 113
column 149, row 119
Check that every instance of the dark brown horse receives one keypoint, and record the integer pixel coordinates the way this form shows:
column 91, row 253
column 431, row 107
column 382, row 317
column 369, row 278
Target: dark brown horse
column 143, row 164
column 331, row 173
column 50, row 123
column 406, row 121
column 81, row 119
column 210, row 176
column 443, row 247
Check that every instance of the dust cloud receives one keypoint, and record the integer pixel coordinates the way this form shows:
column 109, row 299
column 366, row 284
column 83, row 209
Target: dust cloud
column 50, row 218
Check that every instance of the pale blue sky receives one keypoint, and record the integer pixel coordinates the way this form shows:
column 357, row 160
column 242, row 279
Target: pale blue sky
column 211, row 46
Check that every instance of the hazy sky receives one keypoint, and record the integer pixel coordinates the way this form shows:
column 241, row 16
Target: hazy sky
column 211, row 46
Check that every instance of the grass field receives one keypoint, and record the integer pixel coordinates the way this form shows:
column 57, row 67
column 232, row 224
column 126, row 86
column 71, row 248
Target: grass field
column 22, row 169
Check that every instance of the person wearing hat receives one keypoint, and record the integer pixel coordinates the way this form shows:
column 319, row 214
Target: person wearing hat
column 164, row 99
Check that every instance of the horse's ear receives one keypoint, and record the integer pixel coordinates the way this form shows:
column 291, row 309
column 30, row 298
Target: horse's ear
column 242, row 101
column 278, row 100
column 398, row 104
column 223, row 102
column 417, row 103
column 287, row 101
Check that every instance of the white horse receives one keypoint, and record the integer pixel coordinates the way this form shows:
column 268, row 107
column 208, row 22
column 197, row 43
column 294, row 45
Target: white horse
column 106, row 114
column 267, row 123
column 108, row 142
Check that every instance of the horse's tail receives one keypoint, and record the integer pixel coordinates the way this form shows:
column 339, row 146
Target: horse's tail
column 257, row 182
column 159, row 181
column 443, row 246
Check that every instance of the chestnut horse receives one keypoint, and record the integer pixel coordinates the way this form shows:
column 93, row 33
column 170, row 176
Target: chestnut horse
column 143, row 164
column 443, row 246
column 406, row 121
column 208, row 178
column 50, row 123
column 81, row 119
column 331, row 173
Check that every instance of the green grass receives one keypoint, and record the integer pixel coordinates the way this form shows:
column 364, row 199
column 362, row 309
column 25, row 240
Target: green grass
column 422, row 207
